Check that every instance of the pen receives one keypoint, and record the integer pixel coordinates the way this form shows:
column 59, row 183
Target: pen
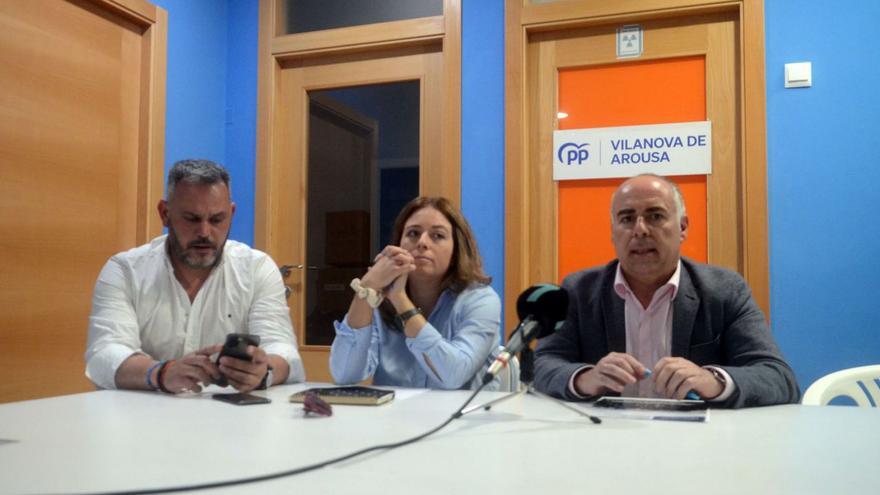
column 694, row 419
column 691, row 395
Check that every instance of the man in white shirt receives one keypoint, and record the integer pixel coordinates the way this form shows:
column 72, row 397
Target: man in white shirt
column 161, row 310
column 655, row 324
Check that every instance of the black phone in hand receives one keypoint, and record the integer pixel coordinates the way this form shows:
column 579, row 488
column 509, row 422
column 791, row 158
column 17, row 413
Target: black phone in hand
column 236, row 346
column 241, row 399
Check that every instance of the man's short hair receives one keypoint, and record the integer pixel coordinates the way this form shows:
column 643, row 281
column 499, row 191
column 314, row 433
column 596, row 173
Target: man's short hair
column 677, row 197
column 195, row 172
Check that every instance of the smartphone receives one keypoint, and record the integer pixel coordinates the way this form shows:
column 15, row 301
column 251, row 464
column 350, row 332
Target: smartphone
column 236, row 346
column 242, row 399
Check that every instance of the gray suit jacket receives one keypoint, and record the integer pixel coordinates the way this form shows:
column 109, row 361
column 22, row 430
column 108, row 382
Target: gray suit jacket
column 715, row 321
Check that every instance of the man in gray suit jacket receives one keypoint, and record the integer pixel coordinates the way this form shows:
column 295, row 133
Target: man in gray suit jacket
column 654, row 324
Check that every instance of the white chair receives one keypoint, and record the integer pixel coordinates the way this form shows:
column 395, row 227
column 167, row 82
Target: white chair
column 861, row 384
column 507, row 380
column 510, row 376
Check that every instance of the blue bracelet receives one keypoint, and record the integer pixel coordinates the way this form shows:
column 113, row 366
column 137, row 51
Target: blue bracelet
column 150, row 373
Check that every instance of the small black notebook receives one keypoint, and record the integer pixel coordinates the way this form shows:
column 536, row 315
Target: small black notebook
column 355, row 395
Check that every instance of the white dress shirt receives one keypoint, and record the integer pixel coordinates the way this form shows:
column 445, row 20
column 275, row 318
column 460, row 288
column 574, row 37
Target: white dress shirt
column 140, row 307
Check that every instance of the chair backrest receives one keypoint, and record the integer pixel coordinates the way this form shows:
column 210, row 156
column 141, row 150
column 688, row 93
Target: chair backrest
column 861, row 384
column 510, row 376
column 507, row 379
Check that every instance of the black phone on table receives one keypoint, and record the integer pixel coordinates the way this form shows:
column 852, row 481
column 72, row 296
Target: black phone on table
column 242, row 399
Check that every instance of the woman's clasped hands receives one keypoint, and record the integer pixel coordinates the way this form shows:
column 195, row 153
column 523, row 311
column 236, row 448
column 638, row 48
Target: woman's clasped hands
column 389, row 272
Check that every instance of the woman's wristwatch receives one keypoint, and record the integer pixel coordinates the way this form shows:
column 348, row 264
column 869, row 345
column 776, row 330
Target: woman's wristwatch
column 402, row 318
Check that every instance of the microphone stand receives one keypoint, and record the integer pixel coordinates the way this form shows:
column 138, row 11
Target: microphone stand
column 527, row 376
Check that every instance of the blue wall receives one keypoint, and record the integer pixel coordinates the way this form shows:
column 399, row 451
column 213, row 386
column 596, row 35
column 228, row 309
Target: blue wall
column 482, row 130
column 824, row 171
column 212, row 93
column 241, row 111
column 823, row 160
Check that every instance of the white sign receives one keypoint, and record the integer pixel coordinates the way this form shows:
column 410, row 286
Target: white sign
column 609, row 152
column 629, row 41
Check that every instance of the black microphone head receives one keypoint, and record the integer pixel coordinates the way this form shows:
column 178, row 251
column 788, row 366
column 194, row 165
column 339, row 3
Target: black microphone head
column 546, row 303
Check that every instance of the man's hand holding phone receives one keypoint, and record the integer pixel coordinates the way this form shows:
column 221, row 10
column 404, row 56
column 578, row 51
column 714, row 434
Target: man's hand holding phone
column 241, row 362
column 245, row 375
column 189, row 372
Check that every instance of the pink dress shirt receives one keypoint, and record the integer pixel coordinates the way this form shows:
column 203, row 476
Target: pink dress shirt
column 649, row 334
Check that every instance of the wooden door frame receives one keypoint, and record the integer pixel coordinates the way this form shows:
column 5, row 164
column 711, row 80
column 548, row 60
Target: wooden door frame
column 276, row 50
column 278, row 187
column 522, row 194
column 151, row 142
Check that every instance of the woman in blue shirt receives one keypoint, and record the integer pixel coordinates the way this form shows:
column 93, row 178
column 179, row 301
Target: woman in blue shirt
column 423, row 315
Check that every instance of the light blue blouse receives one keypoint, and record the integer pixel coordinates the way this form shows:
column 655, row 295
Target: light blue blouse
column 461, row 332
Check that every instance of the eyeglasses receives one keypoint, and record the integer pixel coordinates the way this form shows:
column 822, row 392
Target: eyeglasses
column 313, row 404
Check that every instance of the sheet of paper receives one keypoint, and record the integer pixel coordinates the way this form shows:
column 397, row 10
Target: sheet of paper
column 696, row 416
column 406, row 393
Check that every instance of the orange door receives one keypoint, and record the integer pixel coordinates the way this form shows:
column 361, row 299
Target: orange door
column 620, row 95
column 689, row 71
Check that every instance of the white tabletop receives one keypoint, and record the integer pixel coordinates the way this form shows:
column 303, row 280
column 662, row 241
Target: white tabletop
column 115, row 440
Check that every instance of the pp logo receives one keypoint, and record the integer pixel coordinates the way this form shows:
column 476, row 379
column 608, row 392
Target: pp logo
column 571, row 153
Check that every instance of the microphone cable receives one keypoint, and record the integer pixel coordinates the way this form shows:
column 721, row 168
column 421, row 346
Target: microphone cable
column 304, row 469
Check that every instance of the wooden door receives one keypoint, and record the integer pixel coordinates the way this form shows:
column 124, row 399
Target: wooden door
column 687, row 72
column 620, row 94
column 320, row 285
column 81, row 143
column 691, row 69
column 422, row 52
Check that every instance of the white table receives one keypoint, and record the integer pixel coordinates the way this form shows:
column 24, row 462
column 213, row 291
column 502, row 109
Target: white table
column 114, row 440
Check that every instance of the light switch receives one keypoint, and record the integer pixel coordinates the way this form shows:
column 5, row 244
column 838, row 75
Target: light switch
column 799, row 75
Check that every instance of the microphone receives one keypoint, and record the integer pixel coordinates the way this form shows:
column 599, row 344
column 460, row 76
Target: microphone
column 542, row 310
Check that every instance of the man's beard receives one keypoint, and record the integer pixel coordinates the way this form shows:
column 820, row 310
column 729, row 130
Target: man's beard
column 192, row 260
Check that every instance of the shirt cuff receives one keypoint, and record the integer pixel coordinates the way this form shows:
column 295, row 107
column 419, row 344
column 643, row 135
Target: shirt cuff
column 343, row 325
column 101, row 368
column 288, row 353
column 574, row 375
column 729, row 385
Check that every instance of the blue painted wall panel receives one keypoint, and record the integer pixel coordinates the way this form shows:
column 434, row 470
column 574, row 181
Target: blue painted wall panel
column 212, row 93
column 482, row 130
column 241, row 112
column 196, row 84
column 822, row 147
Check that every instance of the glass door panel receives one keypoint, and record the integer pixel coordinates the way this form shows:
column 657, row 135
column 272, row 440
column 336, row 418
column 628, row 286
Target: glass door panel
column 302, row 16
column 363, row 166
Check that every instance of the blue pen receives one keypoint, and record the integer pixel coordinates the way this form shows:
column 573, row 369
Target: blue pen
column 690, row 395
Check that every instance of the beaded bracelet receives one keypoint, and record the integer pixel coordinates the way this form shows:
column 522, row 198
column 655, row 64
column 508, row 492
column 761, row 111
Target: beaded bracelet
column 161, row 375
column 372, row 296
column 149, row 380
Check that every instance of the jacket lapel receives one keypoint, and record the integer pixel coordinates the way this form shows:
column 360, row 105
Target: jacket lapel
column 613, row 313
column 684, row 314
